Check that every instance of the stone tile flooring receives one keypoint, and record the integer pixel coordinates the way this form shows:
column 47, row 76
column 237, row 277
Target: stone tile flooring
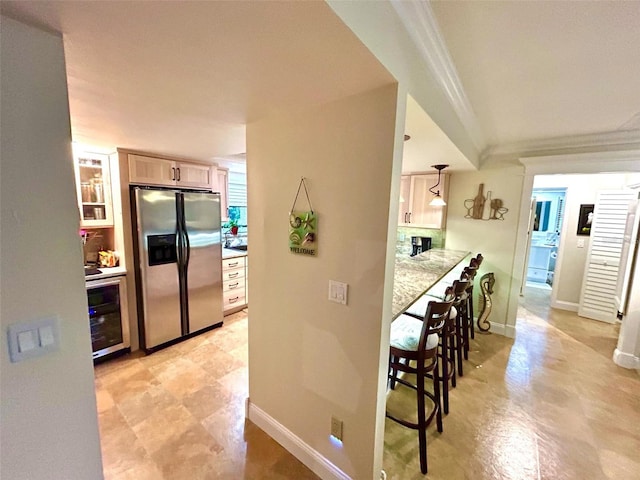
column 550, row 404
column 180, row 414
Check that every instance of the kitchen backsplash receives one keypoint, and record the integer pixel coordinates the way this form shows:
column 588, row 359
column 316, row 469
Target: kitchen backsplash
column 231, row 240
column 403, row 242
column 94, row 240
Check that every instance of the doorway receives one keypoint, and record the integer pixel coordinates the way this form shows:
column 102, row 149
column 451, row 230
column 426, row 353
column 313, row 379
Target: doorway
column 580, row 188
column 548, row 215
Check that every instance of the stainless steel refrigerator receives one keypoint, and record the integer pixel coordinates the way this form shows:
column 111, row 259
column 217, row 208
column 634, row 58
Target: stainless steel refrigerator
column 178, row 261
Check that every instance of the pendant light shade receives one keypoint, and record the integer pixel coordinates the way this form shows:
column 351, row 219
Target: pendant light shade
column 437, row 200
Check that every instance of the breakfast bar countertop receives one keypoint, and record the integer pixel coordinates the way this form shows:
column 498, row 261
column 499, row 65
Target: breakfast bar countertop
column 413, row 276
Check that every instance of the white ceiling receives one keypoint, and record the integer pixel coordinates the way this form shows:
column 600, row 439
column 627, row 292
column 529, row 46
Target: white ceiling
column 184, row 78
column 428, row 144
column 535, row 70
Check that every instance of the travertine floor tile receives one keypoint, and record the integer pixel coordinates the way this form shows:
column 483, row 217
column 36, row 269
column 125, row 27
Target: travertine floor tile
column 550, row 404
column 179, row 414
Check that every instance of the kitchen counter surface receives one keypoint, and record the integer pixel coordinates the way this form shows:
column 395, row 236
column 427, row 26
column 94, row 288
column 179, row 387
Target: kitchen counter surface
column 230, row 253
column 107, row 272
column 413, row 276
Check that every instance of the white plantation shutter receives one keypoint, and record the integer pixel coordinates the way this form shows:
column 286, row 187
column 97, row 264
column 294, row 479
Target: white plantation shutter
column 597, row 298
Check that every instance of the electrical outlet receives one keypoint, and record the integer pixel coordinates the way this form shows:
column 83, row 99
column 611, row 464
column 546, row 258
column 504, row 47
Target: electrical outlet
column 336, row 428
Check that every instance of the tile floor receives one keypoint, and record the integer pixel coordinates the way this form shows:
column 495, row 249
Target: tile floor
column 548, row 405
column 179, row 414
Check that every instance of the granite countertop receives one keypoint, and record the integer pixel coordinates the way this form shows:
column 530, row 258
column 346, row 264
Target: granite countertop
column 230, row 253
column 413, row 276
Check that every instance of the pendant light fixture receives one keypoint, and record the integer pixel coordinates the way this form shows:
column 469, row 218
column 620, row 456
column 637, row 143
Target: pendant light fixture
column 437, row 200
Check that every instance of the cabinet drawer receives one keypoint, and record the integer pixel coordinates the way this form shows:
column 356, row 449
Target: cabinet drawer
column 234, row 274
column 536, row 274
column 235, row 262
column 235, row 284
column 233, row 299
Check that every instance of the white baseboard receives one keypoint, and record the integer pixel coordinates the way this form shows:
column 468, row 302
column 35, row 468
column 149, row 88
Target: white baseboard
column 295, row 445
column 568, row 306
column 502, row 329
column 626, row 360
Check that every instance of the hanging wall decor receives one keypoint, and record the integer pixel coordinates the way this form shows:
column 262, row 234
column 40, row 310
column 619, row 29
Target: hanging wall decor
column 303, row 226
column 484, row 208
column 585, row 218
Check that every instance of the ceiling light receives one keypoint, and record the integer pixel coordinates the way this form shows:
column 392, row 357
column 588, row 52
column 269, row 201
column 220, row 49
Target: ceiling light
column 437, row 200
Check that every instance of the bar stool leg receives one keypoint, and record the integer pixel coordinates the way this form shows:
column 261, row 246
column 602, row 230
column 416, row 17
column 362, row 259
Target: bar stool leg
column 445, row 374
column 394, row 373
column 471, row 320
column 436, row 394
column 452, row 358
column 459, row 336
column 465, row 331
column 422, row 428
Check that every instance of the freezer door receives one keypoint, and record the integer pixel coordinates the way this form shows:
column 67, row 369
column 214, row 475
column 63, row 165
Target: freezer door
column 204, row 259
column 157, row 233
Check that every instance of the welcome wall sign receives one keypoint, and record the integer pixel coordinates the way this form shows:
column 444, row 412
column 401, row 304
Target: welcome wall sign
column 303, row 227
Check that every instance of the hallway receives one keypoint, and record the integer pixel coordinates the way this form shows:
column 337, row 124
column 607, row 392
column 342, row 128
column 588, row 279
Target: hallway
column 550, row 404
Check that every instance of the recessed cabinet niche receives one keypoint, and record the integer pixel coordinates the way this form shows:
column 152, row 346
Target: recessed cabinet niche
column 415, row 196
column 159, row 171
column 93, row 183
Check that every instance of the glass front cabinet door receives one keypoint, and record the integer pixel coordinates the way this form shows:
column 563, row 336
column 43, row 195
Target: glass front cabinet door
column 94, row 189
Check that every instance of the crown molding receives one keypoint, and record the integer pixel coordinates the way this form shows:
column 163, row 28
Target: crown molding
column 627, row 140
column 420, row 22
column 592, row 162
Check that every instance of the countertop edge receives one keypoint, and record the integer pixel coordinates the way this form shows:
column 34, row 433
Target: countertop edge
column 229, row 253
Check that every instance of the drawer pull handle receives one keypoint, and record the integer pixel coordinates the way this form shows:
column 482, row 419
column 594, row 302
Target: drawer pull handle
column 232, row 275
column 233, row 264
column 234, row 299
column 234, row 285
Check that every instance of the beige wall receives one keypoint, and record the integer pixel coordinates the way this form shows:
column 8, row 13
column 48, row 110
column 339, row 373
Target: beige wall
column 48, row 406
column 378, row 26
column 495, row 239
column 310, row 358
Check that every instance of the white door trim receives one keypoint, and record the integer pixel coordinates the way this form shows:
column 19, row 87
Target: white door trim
column 598, row 162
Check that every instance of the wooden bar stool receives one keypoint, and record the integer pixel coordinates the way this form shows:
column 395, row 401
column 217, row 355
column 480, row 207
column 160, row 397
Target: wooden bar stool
column 414, row 341
column 461, row 324
column 473, row 264
column 468, row 274
column 447, row 354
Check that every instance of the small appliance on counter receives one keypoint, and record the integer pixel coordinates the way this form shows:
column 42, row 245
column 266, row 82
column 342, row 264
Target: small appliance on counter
column 419, row 245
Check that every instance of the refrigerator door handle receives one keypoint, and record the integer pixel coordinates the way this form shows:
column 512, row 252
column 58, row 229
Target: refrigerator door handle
column 185, row 245
column 179, row 232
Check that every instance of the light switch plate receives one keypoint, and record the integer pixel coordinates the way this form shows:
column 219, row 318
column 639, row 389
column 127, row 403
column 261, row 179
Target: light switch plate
column 338, row 292
column 581, row 243
column 33, row 338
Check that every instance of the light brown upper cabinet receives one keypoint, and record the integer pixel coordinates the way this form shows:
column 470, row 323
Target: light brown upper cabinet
column 415, row 196
column 158, row 171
